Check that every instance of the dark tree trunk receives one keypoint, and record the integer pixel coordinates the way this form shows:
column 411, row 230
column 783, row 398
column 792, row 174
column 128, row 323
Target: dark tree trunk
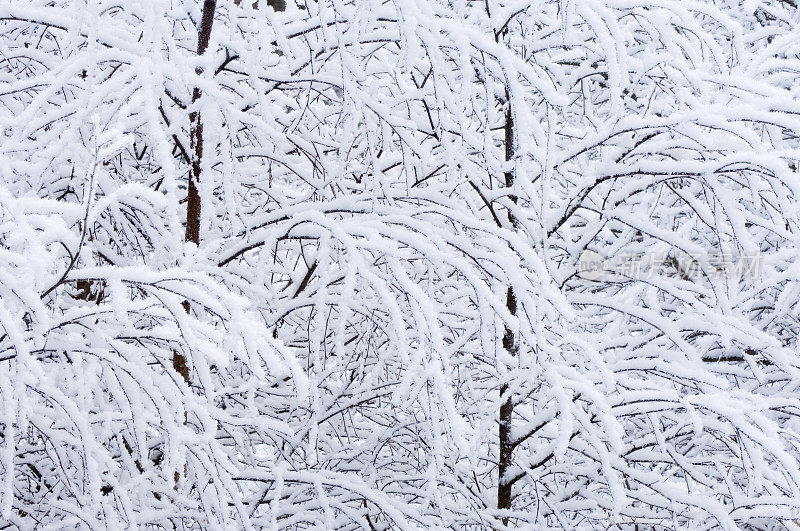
column 193, row 206
column 193, row 198
column 196, row 133
column 504, row 484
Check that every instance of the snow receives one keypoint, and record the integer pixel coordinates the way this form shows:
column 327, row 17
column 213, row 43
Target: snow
column 415, row 214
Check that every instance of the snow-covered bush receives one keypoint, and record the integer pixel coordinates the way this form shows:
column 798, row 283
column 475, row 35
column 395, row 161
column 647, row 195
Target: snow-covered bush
column 330, row 265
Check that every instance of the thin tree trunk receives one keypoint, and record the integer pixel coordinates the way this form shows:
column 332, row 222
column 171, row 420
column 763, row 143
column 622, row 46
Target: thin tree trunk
column 506, row 444
column 179, row 362
column 196, row 146
column 509, row 343
column 196, row 133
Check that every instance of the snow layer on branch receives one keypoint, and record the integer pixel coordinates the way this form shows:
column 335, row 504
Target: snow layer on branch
column 343, row 315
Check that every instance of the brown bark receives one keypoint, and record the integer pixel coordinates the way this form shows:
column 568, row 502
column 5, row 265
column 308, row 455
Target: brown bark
column 193, row 206
column 179, row 362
